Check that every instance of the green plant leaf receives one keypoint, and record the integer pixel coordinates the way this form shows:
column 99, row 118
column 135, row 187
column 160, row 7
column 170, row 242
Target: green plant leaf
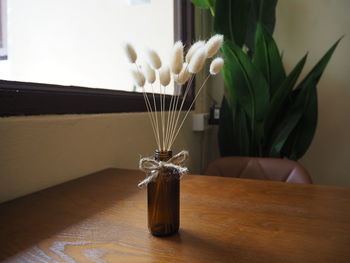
column 287, row 85
column 231, row 19
column 307, row 126
column 230, row 82
column 306, row 102
column 226, row 130
column 242, row 133
column 280, row 96
column 263, row 11
column 201, row 3
column 212, row 4
column 233, row 135
column 282, row 132
column 315, row 74
column 267, row 58
column 249, row 84
column 206, row 4
column 301, row 137
column 237, row 19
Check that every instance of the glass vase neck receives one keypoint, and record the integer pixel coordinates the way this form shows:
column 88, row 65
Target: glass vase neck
column 162, row 155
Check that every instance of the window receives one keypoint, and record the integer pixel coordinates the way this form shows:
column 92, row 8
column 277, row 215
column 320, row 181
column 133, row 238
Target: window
column 3, row 30
column 31, row 98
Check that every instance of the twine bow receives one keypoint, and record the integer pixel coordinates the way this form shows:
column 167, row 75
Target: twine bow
column 152, row 167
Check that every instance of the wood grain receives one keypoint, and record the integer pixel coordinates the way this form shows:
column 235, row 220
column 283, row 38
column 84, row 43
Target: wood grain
column 103, row 218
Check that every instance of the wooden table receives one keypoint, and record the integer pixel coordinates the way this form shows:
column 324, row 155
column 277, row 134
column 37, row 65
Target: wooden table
column 102, row 218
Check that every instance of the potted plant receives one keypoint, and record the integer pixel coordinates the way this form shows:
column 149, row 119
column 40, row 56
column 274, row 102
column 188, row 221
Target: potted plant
column 265, row 112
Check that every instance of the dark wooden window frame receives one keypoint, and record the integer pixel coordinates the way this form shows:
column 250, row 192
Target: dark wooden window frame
column 24, row 98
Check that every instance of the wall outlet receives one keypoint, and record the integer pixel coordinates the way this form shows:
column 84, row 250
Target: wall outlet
column 214, row 116
column 200, row 121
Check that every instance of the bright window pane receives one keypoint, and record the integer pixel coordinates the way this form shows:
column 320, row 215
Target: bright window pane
column 77, row 42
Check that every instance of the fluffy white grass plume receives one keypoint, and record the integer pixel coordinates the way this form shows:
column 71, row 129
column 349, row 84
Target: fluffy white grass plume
column 150, row 74
column 193, row 50
column 184, row 75
column 198, row 60
column 130, row 52
column 216, row 66
column 214, row 44
column 176, row 57
column 164, row 76
column 138, row 77
column 153, row 59
column 167, row 120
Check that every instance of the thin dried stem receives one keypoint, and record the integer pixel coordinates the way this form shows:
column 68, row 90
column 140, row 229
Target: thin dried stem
column 161, row 115
column 156, row 116
column 189, row 109
column 164, row 110
column 149, row 109
column 174, row 112
column 177, row 116
column 172, row 118
column 172, row 108
column 168, row 121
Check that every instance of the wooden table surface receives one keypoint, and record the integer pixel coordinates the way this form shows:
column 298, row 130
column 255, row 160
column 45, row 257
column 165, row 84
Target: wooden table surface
column 102, row 218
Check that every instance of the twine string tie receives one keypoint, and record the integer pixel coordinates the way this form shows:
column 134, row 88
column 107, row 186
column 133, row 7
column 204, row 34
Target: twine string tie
column 152, row 167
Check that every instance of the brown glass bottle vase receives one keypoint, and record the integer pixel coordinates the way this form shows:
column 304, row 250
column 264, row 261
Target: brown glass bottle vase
column 164, row 199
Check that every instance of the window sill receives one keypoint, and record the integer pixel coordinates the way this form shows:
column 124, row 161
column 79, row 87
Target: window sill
column 25, row 98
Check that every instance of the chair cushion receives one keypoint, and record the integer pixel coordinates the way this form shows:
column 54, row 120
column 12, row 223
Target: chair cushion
column 259, row 168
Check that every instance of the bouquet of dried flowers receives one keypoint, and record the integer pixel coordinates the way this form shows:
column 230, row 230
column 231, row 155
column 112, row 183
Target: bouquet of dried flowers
column 182, row 68
column 164, row 171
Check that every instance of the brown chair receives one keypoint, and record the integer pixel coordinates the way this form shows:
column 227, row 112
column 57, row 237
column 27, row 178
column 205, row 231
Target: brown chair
column 259, row 168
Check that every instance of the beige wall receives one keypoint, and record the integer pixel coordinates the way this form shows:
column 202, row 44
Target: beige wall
column 41, row 151
column 313, row 26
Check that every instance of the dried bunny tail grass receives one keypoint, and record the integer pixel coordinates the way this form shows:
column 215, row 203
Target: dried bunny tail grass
column 176, row 57
column 153, row 59
column 184, row 75
column 150, row 74
column 197, row 61
column 138, row 77
column 216, row 66
column 164, row 76
column 213, row 45
column 130, row 52
column 193, row 50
